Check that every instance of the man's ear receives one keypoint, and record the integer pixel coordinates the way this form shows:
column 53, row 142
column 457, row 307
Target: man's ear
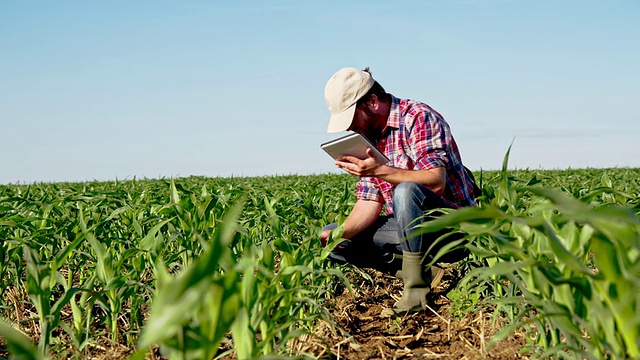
column 374, row 101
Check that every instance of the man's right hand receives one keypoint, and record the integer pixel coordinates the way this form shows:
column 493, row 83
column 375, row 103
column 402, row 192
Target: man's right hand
column 363, row 214
column 324, row 237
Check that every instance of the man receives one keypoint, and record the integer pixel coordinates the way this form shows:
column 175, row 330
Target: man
column 425, row 172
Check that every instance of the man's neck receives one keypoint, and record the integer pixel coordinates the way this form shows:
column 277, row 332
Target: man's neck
column 385, row 110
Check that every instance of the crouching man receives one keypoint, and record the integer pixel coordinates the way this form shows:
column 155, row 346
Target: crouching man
column 425, row 172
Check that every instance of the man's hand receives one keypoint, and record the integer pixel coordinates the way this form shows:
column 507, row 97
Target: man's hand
column 363, row 214
column 359, row 167
column 435, row 179
column 324, row 237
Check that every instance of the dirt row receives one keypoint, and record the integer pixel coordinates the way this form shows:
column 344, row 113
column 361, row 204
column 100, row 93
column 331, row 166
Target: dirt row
column 434, row 334
column 360, row 332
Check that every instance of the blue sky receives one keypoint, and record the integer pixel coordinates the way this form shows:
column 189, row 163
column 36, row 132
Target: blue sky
column 117, row 89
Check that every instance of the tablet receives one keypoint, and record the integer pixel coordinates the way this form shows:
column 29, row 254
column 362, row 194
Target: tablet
column 355, row 145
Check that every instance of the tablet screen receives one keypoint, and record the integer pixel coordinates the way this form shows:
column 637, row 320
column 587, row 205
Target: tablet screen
column 354, row 145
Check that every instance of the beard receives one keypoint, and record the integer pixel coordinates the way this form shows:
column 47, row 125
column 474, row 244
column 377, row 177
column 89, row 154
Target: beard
column 373, row 130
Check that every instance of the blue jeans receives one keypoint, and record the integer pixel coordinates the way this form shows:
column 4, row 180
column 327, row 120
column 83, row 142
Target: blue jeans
column 376, row 245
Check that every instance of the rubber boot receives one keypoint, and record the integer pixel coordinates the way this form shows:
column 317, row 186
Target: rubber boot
column 417, row 285
column 395, row 268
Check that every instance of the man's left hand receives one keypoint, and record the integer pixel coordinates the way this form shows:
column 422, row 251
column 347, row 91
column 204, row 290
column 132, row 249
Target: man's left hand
column 359, row 167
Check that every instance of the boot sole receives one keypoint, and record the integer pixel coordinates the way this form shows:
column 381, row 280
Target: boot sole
column 436, row 276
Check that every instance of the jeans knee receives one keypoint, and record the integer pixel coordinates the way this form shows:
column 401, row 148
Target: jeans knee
column 405, row 193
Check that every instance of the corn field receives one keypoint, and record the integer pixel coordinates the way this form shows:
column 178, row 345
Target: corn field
column 206, row 268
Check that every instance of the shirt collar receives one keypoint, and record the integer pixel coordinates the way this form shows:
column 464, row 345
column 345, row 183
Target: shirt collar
column 395, row 114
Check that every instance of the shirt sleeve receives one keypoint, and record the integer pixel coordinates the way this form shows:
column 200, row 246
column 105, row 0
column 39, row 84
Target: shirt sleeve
column 428, row 138
column 366, row 190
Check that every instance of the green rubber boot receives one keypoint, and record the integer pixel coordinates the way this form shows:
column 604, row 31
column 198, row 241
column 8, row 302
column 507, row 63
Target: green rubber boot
column 417, row 285
column 394, row 268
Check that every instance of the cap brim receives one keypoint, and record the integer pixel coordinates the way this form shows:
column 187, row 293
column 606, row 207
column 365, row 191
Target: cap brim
column 341, row 121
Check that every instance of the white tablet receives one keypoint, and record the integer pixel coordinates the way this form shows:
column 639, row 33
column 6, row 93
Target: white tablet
column 355, row 145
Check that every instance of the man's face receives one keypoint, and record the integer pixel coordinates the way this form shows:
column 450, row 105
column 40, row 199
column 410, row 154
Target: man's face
column 365, row 121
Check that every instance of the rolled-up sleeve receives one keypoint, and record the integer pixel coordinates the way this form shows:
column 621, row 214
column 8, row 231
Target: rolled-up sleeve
column 428, row 138
column 366, row 190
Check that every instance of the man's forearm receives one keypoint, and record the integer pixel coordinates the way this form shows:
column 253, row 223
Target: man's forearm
column 434, row 179
column 364, row 213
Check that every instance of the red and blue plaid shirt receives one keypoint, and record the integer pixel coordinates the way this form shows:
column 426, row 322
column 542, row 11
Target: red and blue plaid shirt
column 416, row 137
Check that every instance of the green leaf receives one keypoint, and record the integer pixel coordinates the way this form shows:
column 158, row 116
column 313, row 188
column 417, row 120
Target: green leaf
column 243, row 337
column 152, row 240
column 19, row 345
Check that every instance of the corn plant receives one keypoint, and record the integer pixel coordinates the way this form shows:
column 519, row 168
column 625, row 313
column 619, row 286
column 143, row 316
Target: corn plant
column 210, row 267
column 565, row 268
column 19, row 344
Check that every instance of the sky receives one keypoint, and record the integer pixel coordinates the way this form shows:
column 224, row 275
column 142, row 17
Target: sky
column 150, row 89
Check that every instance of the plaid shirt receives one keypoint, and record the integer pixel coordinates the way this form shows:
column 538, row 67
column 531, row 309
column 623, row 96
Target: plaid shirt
column 416, row 137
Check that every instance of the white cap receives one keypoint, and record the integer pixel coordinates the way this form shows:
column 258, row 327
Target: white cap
column 342, row 92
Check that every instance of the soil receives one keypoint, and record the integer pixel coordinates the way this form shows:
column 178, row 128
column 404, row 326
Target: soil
column 360, row 332
column 434, row 334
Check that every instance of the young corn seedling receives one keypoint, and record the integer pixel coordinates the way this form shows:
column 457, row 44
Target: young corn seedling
column 542, row 240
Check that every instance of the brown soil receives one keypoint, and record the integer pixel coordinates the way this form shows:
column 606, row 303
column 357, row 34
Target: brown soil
column 361, row 333
column 435, row 334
